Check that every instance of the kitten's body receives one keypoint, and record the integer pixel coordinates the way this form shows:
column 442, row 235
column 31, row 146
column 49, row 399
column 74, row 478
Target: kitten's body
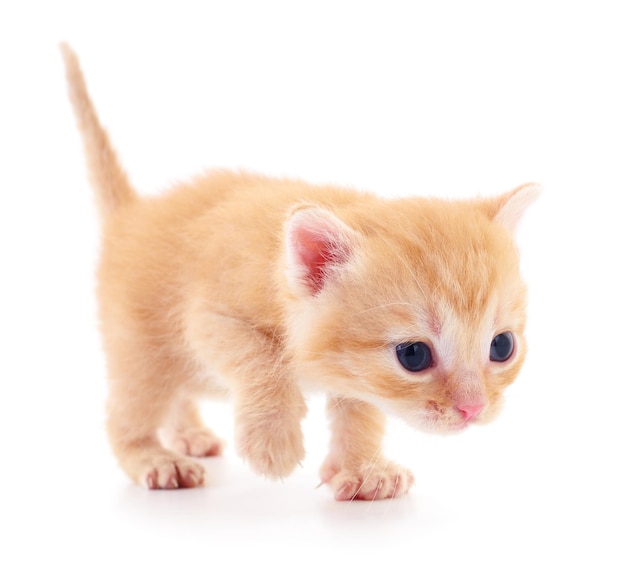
column 260, row 288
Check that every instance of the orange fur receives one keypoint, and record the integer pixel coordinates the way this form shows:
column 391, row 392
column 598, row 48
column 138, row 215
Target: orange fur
column 260, row 289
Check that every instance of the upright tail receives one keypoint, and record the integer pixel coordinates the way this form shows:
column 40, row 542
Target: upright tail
column 113, row 189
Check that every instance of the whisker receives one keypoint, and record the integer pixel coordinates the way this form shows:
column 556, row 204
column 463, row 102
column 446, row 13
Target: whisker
column 380, row 482
column 372, row 466
column 393, row 493
column 395, row 487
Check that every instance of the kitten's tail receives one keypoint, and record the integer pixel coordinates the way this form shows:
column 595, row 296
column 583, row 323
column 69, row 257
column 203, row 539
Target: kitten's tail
column 107, row 176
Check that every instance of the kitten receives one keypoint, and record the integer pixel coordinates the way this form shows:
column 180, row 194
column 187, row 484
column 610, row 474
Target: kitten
column 263, row 289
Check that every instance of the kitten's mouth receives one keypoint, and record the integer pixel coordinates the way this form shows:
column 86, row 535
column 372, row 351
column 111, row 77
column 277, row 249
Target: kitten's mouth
column 435, row 418
column 437, row 424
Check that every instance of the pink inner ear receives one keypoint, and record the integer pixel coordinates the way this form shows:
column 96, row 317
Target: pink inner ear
column 316, row 241
column 315, row 255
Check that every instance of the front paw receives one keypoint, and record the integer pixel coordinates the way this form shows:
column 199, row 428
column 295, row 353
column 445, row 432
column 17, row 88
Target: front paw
column 367, row 481
column 272, row 448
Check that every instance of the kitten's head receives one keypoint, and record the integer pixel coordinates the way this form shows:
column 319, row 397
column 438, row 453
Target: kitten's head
column 416, row 306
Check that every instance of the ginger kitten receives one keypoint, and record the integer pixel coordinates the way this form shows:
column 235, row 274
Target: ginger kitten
column 262, row 289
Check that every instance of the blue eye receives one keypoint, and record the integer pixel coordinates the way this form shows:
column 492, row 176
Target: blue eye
column 502, row 347
column 414, row 357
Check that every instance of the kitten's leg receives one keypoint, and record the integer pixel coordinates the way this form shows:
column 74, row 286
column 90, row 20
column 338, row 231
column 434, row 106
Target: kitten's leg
column 355, row 468
column 268, row 433
column 268, row 405
column 269, row 408
column 140, row 397
column 186, row 433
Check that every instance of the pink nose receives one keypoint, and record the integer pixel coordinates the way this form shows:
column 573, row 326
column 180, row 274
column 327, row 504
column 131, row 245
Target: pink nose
column 470, row 411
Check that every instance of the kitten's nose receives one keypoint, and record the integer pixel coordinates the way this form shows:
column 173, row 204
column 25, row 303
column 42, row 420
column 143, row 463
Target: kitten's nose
column 470, row 411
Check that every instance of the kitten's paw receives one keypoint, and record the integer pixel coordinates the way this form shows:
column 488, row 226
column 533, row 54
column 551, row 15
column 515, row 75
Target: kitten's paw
column 367, row 481
column 198, row 442
column 274, row 449
column 169, row 472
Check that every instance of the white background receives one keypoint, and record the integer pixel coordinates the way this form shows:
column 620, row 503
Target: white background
column 441, row 98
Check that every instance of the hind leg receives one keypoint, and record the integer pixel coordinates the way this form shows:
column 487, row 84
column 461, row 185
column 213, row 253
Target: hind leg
column 133, row 434
column 141, row 396
column 186, row 433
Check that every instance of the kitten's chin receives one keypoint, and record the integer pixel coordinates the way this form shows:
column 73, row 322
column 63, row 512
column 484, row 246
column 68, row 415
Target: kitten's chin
column 448, row 429
column 439, row 427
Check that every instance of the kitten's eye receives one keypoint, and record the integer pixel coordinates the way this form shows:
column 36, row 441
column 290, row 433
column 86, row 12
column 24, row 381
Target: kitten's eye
column 502, row 347
column 414, row 357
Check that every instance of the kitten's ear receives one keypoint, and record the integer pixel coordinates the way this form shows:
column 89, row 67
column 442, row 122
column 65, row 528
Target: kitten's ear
column 507, row 209
column 318, row 243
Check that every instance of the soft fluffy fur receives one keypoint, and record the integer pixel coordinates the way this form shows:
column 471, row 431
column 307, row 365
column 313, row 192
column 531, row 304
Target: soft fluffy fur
column 258, row 288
